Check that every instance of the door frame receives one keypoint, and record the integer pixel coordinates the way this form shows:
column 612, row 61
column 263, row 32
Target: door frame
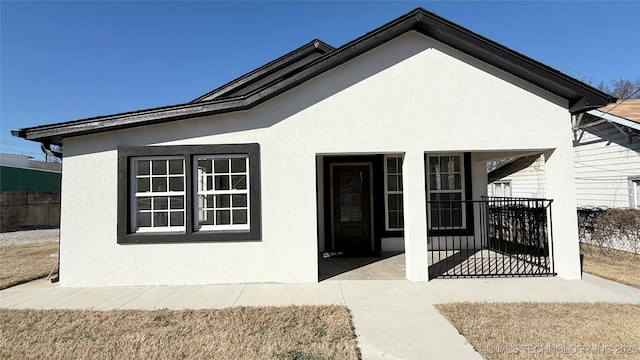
column 369, row 165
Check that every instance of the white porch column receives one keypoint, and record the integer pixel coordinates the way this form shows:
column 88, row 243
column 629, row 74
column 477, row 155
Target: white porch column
column 560, row 186
column 415, row 216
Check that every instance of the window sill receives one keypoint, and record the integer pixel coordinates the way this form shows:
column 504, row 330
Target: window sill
column 196, row 237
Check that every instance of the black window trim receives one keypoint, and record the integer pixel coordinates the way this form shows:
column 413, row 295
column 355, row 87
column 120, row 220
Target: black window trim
column 190, row 235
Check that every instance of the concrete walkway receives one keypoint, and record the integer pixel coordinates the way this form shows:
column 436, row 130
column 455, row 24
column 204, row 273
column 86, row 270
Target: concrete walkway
column 394, row 319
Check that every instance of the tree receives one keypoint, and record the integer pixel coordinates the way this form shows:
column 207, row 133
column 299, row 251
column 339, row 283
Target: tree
column 621, row 88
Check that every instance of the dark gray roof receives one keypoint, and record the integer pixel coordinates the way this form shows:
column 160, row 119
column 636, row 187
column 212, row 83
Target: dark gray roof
column 316, row 58
column 281, row 67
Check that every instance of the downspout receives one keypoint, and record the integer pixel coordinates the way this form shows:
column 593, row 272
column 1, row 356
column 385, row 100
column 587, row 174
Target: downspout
column 46, row 148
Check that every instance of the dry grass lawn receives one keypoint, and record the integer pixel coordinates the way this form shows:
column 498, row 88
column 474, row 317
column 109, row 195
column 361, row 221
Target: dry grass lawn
column 22, row 263
column 619, row 266
column 294, row 332
column 548, row 330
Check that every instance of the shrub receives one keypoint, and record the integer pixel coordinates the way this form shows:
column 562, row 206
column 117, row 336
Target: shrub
column 610, row 229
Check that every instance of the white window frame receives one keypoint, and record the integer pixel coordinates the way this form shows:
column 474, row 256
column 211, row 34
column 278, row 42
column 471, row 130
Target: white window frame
column 387, row 192
column 634, row 192
column 200, row 192
column 501, row 183
column 133, row 171
column 463, row 208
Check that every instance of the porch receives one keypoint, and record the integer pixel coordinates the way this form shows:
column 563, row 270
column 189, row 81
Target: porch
column 434, row 204
column 510, row 238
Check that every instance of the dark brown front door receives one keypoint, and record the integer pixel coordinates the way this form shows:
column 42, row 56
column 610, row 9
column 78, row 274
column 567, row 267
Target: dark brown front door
column 351, row 191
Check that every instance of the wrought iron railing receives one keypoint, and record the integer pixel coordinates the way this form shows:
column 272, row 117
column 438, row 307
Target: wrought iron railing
column 490, row 237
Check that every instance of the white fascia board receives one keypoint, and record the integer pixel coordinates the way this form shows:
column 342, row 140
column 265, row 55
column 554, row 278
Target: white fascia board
column 616, row 119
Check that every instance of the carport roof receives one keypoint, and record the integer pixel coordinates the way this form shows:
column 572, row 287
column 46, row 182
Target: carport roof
column 316, row 58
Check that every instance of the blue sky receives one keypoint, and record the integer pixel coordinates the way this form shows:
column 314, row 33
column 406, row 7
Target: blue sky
column 63, row 61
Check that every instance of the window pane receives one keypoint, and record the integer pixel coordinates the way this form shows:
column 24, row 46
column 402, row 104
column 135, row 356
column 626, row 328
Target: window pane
column 393, row 220
column 176, row 184
column 143, row 167
column 392, row 183
column 451, row 182
column 144, row 203
column 209, row 185
column 208, row 202
column 239, row 182
column 207, row 218
column 393, row 201
column 433, row 164
column 160, row 219
column 239, row 216
column 223, row 201
column 434, row 183
column 444, row 182
column 223, row 217
column 239, row 200
column 222, row 182
column 400, row 182
column 400, row 165
column 160, row 203
column 456, row 217
column 159, row 184
column 159, row 167
column 221, row 166
column 351, row 196
column 175, row 166
column 454, row 164
column 176, row 202
column 205, row 166
column 177, row 218
column 144, row 220
column 447, row 212
column 238, row 165
column 143, row 185
column 442, row 163
column 391, row 165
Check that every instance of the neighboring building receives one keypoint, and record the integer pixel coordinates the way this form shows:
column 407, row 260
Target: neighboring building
column 527, row 182
column 29, row 192
column 350, row 149
column 606, row 144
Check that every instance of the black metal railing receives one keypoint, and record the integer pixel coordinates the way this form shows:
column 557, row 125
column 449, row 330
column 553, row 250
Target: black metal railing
column 494, row 236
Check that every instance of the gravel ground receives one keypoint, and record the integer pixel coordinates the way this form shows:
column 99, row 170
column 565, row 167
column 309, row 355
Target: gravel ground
column 29, row 237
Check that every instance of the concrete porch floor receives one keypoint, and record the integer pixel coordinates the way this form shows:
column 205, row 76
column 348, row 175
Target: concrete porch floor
column 391, row 265
column 388, row 266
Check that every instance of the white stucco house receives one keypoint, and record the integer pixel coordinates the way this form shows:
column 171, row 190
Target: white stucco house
column 343, row 149
column 606, row 161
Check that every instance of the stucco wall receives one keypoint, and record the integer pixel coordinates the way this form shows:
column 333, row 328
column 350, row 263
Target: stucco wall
column 411, row 96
